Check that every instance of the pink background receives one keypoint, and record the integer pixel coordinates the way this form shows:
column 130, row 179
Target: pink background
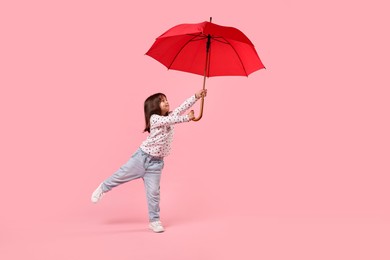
column 289, row 163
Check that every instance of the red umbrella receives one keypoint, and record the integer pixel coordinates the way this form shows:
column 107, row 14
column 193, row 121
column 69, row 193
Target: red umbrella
column 206, row 49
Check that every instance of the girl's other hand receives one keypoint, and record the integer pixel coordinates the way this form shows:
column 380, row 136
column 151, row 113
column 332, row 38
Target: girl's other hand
column 201, row 93
column 191, row 115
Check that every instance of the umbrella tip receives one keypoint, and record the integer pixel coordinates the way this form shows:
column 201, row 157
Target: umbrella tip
column 211, row 18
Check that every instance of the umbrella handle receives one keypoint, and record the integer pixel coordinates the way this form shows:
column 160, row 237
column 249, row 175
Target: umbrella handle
column 201, row 102
column 201, row 111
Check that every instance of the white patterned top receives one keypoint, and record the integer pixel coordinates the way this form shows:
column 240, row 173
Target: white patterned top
column 158, row 142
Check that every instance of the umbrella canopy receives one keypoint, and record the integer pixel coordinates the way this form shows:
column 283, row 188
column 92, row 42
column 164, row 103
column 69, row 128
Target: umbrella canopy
column 183, row 48
column 206, row 49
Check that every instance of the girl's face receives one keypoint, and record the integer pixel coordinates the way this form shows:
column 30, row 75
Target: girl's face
column 164, row 105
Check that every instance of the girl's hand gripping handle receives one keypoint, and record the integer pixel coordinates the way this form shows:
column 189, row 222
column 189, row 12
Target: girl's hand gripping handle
column 200, row 94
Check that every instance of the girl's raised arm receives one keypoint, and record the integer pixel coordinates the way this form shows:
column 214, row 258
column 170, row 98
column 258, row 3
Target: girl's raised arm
column 185, row 106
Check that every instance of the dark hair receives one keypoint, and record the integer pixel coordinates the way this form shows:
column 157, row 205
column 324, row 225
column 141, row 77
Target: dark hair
column 151, row 107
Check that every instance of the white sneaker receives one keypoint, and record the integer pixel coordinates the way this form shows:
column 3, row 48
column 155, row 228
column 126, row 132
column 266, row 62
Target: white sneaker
column 156, row 226
column 97, row 194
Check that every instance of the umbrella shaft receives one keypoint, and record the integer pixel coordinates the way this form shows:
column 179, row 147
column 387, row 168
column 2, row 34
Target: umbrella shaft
column 206, row 69
column 208, row 43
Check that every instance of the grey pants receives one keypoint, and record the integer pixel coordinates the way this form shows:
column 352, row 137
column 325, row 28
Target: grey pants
column 147, row 167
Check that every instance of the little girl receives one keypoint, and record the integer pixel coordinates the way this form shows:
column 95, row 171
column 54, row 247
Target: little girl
column 148, row 161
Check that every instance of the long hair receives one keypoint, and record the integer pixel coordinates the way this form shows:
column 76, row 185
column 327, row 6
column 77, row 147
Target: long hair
column 151, row 107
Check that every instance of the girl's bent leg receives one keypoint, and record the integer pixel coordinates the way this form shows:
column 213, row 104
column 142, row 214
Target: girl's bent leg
column 132, row 169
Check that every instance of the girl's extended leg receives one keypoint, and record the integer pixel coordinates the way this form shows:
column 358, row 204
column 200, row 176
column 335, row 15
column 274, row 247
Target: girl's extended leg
column 132, row 169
